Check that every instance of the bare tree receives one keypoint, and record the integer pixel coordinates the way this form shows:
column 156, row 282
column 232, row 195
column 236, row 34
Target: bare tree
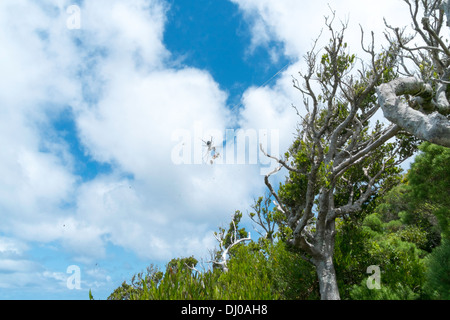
column 227, row 240
column 339, row 159
column 419, row 100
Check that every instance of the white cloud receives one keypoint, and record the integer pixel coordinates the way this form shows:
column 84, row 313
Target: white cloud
column 297, row 23
column 34, row 60
column 15, row 268
column 14, row 265
column 271, row 107
column 11, row 247
column 130, row 30
column 133, row 124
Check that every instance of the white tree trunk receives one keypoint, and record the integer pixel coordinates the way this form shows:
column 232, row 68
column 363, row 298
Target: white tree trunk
column 327, row 279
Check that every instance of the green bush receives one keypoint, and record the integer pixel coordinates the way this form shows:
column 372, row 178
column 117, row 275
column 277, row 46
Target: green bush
column 294, row 278
column 393, row 226
column 395, row 292
column 374, row 222
column 399, row 261
column 438, row 273
column 249, row 277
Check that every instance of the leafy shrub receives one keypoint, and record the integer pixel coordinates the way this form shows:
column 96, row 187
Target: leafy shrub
column 438, row 272
column 374, row 222
column 395, row 292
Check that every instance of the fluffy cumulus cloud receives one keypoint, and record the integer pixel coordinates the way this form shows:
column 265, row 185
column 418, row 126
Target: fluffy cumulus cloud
column 33, row 62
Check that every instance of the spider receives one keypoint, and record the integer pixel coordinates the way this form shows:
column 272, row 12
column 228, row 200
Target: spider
column 210, row 151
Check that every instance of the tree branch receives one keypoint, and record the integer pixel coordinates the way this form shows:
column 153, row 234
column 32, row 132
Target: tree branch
column 433, row 127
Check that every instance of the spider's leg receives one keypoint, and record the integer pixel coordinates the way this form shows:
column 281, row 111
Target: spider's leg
column 205, row 156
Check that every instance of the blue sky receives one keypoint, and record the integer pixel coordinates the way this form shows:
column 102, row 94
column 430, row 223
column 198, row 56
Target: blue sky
column 89, row 119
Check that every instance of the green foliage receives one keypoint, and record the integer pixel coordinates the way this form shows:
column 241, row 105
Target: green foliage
column 294, row 278
column 152, row 276
column 293, row 191
column 408, row 224
column 413, row 234
column 264, row 217
column 178, row 282
column 396, row 247
column 373, row 222
column 438, row 272
column 429, row 179
column 372, row 243
column 399, row 261
column 335, row 63
column 412, row 221
column 183, row 263
column 396, row 292
column 351, row 255
column 249, row 277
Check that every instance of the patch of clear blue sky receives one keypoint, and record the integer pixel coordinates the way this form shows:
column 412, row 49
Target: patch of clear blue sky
column 214, row 36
